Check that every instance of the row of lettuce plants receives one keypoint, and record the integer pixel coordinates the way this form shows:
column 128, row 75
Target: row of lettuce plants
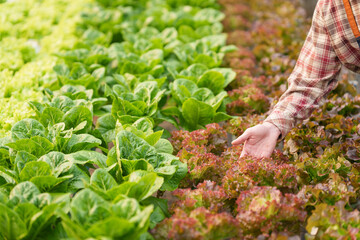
column 129, row 67
column 323, row 148
column 311, row 190
column 92, row 160
column 30, row 33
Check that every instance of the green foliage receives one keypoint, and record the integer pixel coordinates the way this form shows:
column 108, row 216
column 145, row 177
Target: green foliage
column 92, row 216
column 134, row 150
column 89, row 164
column 29, row 214
column 197, row 106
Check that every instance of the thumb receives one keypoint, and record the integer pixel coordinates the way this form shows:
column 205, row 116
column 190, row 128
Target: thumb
column 241, row 139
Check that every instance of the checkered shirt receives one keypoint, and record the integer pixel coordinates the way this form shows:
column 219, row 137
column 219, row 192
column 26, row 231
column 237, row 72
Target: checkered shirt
column 330, row 44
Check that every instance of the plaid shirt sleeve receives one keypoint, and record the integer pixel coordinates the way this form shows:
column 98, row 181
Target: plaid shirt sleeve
column 314, row 76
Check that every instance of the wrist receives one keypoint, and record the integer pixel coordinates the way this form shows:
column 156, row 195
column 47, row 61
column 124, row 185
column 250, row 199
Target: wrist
column 272, row 128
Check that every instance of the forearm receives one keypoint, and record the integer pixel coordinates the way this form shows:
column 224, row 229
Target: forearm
column 314, row 76
column 300, row 100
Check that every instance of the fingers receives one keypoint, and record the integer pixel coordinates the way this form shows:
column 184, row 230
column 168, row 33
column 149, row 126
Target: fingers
column 255, row 151
column 258, row 142
column 267, row 154
column 244, row 153
column 242, row 138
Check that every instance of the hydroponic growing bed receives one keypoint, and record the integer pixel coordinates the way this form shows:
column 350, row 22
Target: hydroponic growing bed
column 116, row 117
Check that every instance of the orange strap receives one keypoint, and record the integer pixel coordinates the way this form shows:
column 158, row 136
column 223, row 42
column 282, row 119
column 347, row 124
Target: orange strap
column 351, row 18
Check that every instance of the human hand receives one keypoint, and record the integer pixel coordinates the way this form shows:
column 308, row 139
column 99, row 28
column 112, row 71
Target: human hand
column 259, row 141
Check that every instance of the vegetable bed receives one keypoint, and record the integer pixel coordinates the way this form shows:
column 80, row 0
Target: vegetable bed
column 94, row 154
